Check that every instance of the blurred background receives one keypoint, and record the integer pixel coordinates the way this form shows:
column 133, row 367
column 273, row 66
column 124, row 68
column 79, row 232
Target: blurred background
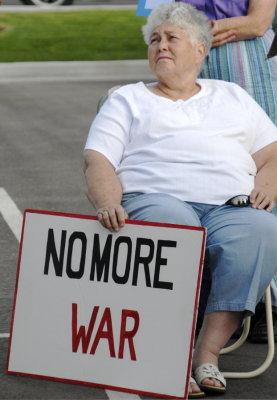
column 68, row 2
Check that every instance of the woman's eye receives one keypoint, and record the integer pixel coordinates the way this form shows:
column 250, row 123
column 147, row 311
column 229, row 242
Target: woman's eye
column 153, row 40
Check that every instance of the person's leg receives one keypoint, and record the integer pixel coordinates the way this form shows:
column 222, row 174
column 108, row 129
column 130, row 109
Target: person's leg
column 241, row 249
column 260, row 83
column 216, row 330
column 158, row 207
column 242, row 254
column 203, row 298
column 258, row 327
column 163, row 208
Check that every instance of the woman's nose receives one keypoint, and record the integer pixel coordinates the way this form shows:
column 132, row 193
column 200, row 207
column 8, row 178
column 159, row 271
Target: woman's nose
column 163, row 45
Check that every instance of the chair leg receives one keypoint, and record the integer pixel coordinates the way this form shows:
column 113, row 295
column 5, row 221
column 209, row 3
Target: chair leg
column 271, row 345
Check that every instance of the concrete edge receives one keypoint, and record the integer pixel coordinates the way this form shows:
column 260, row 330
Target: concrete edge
column 27, row 9
column 94, row 71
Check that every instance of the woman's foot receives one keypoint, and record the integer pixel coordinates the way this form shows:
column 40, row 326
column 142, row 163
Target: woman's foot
column 210, row 379
column 216, row 330
column 202, row 358
column 194, row 390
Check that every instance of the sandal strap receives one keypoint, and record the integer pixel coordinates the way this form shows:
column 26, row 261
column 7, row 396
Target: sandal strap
column 208, row 371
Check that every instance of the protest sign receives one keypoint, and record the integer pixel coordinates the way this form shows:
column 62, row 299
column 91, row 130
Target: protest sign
column 112, row 310
column 146, row 6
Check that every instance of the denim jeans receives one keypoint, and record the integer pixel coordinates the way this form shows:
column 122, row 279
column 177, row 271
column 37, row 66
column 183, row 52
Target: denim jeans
column 241, row 249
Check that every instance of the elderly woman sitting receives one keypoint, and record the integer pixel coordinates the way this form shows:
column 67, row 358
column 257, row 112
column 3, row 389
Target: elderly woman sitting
column 175, row 151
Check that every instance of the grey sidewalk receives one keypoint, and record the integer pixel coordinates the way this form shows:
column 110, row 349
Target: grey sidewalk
column 47, row 8
column 75, row 71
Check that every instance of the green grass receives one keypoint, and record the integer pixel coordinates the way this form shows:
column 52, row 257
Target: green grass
column 71, row 36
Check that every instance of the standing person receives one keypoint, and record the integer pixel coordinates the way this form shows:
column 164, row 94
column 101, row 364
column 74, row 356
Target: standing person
column 245, row 29
column 170, row 152
column 242, row 35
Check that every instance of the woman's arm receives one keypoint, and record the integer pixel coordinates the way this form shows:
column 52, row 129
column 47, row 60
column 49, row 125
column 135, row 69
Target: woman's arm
column 254, row 24
column 104, row 190
column 264, row 194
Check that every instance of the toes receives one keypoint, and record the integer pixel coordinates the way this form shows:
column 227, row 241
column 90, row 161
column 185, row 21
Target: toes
column 211, row 382
column 193, row 388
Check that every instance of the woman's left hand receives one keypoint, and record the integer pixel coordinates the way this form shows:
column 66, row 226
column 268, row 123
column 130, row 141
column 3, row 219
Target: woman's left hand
column 264, row 194
column 261, row 200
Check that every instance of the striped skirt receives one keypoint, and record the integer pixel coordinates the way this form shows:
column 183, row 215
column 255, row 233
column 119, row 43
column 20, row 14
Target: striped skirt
column 244, row 62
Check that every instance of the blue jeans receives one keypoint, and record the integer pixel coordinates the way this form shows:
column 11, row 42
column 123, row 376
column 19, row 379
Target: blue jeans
column 241, row 249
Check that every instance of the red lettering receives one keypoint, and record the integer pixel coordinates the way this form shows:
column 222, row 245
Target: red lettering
column 108, row 334
column 82, row 335
column 128, row 335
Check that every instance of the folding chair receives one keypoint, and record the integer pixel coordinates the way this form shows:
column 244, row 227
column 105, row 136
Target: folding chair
column 241, row 340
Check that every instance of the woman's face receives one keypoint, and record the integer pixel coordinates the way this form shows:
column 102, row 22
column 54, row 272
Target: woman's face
column 171, row 52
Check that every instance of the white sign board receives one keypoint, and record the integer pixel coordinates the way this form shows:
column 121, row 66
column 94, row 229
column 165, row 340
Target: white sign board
column 113, row 310
column 146, row 6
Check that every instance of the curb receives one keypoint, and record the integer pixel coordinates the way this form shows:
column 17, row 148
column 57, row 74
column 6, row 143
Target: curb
column 34, row 9
column 75, row 71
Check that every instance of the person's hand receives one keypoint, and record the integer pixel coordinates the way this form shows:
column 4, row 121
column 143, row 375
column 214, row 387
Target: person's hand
column 261, row 200
column 112, row 217
column 220, row 37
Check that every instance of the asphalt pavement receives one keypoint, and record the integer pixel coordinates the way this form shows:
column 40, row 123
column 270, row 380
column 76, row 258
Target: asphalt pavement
column 46, row 111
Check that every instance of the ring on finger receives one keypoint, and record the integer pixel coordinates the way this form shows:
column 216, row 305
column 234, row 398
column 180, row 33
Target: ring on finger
column 104, row 213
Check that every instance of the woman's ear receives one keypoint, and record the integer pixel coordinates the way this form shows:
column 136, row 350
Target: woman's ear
column 200, row 52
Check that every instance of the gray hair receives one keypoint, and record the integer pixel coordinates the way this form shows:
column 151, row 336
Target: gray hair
column 184, row 16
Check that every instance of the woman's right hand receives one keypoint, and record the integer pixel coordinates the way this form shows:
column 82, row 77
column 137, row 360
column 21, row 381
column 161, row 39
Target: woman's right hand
column 221, row 37
column 104, row 190
column 112, row 217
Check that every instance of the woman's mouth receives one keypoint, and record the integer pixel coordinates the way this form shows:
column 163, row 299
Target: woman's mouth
column 163, row 58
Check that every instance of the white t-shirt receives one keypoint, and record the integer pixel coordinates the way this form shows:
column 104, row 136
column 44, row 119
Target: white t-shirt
column 196, row 150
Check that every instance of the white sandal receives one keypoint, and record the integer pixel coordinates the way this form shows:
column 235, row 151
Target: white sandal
column 209, row 371
column 195, row 395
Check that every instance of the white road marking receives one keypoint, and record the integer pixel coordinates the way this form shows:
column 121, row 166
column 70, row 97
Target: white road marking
column 11, row 214
column 4, row 335
column 13, row 217
column 113, row 395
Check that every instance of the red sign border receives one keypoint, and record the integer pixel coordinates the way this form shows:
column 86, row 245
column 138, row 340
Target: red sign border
column 102, row 386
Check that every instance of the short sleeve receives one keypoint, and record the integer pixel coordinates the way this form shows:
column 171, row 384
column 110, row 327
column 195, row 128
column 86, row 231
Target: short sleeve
column 263, row 130
column 110, row 130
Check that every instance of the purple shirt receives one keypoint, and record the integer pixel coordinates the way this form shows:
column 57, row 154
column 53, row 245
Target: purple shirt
column 218, row 9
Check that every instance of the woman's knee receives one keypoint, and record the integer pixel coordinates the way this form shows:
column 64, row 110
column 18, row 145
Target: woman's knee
column 246, row 227
column 159, row 207
column 247, row 251
column 264, row 228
